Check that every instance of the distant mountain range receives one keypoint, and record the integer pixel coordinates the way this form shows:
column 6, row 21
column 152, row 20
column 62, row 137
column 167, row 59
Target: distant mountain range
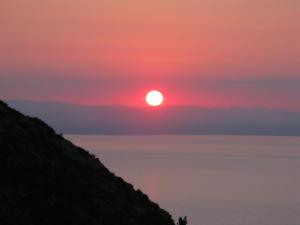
column 104, row 119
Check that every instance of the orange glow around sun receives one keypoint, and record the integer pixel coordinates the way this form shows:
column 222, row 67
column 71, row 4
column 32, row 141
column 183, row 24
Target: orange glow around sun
column 154, row 98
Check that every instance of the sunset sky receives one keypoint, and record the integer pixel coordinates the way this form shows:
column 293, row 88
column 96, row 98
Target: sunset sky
column 210, row 53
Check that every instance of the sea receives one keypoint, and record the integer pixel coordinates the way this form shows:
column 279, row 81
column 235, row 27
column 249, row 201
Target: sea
column 213, row 180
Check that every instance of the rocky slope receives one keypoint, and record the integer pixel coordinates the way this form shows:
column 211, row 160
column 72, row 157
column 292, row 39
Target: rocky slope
column 45, row 179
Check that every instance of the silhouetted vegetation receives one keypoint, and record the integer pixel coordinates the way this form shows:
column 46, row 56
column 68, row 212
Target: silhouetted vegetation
column 182, row 221
column 46, row 180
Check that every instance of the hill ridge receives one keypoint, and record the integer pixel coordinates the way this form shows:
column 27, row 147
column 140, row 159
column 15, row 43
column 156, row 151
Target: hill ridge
column 47, row 180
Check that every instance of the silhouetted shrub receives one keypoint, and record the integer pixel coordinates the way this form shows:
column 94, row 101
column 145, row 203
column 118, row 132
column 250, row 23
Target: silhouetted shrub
column 182, row 221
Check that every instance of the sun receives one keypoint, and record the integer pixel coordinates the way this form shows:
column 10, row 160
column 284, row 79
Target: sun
column 154, row 98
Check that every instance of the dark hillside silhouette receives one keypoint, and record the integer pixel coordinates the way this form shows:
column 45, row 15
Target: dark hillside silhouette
column 46, row 180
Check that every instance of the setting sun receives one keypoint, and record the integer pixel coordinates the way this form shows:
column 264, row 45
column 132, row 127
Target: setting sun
column 154, row 98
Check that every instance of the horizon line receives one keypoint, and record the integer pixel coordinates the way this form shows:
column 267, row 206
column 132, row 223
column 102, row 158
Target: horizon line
column 149, row 107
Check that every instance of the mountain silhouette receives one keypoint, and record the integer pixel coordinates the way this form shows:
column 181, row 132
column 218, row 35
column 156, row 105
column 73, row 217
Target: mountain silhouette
column 46, row 180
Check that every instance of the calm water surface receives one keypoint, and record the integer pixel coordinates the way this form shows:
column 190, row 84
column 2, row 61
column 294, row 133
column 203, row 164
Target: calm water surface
column 214, row 180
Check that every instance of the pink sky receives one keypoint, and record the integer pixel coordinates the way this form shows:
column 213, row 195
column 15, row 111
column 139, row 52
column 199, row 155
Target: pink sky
column 210, row 53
